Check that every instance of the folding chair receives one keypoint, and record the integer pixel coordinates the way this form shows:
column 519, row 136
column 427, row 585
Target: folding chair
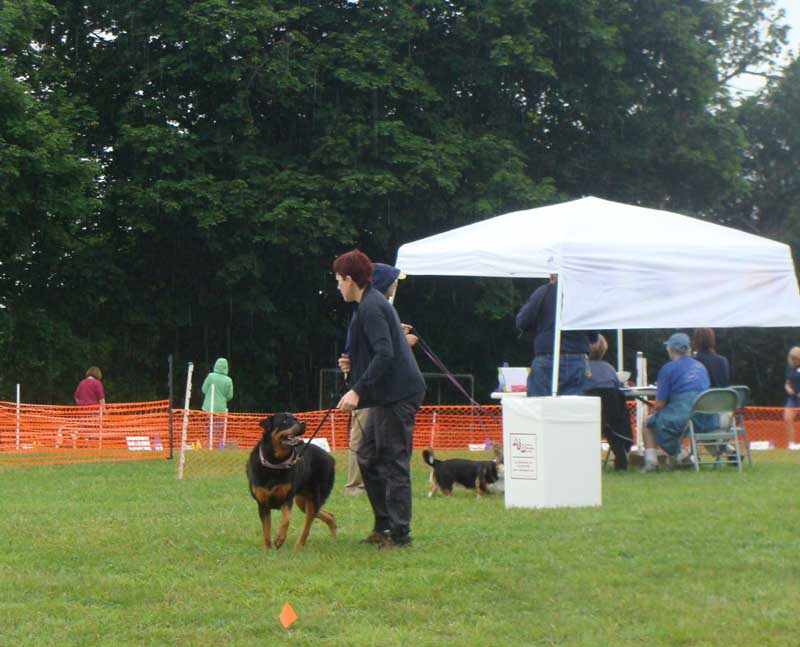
column 716, row 431
column 616, row 421
column 744, row 399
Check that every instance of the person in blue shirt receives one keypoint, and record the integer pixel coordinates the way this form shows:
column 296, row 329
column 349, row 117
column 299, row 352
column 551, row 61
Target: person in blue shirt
column 538, row 317
column 792, row 388
column 704, row 342
column 680, row 381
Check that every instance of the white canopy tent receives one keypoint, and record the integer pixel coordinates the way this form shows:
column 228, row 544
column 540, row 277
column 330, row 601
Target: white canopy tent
column 622, row 266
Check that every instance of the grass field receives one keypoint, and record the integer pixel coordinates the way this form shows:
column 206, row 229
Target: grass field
column 123, row 554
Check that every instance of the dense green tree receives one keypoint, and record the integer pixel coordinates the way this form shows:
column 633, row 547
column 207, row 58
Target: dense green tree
column 47, row 188
column 770, row 206
column 236, row 148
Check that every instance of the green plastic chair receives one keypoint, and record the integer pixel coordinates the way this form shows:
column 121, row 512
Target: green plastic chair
column 724, row 403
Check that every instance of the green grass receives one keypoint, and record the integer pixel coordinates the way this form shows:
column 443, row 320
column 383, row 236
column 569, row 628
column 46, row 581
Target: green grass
column 123, row 554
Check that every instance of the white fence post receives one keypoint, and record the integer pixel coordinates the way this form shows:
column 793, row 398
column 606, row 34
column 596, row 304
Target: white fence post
column 18, row 401
column 211, row 422
column 185, row 426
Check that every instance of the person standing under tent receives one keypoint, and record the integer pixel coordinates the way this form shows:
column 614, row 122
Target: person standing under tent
column 704, row 342
column 538, row 316
column 792, row 387
column 384, row 279
column 90, row 389
column 223, row 393
column 679, row 381
column 385, row 377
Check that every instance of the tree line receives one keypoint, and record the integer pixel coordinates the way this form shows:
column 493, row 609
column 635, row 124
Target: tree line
column 177, row 176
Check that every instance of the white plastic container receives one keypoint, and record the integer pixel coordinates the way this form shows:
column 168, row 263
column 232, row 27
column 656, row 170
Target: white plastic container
column 551, row 452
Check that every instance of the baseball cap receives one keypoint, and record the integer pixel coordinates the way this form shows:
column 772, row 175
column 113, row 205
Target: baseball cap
column 678, row 341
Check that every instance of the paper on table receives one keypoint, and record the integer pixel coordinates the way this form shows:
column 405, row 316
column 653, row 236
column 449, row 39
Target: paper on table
column 513, row 378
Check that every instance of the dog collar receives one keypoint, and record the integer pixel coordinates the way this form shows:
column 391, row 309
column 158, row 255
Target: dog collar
column 285, row 465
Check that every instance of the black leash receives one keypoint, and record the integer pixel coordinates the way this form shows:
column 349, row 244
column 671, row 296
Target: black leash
column 319, row 426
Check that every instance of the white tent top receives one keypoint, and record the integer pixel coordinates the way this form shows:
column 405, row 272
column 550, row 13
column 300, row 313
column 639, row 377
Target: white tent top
column 622, row 266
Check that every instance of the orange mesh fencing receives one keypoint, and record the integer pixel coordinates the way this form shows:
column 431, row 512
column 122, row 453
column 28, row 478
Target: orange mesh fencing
column 762, row 424
column 40, row 434
column 43, row 434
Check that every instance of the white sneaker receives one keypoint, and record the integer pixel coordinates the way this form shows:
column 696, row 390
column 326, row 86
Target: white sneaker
column 794, row 446
column 649, row 467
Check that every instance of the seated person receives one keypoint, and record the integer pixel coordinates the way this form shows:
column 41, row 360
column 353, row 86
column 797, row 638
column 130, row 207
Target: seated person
column 602, row 374
column 616, row 421
column 704, row 342
column 680, row 381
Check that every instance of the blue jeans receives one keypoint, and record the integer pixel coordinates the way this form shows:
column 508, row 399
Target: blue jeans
column 669, row 423
column 572, row 376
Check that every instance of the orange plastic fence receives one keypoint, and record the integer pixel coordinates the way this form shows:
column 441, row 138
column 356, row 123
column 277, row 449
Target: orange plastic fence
column 37, row 434
column 41, row 434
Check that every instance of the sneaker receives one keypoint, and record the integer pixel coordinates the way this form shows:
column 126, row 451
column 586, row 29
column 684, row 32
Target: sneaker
column 376, row 537
column 649, row 467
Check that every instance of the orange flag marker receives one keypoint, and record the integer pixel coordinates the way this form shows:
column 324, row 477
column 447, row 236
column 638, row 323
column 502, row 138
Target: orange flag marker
column 288, row 616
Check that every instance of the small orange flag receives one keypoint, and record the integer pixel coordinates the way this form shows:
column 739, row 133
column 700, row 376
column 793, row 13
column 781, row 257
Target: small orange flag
column 288, row 616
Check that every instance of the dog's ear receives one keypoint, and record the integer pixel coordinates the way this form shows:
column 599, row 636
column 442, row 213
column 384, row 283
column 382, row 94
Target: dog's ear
column 267, row 424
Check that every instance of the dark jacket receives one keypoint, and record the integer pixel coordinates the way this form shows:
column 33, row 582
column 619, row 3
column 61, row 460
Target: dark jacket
column 719, row 371
column 382, row 368
column 538, row 316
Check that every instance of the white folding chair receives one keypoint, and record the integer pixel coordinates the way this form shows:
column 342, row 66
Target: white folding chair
column 714, row 428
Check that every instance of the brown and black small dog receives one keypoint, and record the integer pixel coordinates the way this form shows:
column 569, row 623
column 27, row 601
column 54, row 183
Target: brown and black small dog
column 279, row 475
column 474, row 475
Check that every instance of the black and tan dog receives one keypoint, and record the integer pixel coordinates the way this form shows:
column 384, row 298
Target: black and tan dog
column 474, row 475
column 280, row 474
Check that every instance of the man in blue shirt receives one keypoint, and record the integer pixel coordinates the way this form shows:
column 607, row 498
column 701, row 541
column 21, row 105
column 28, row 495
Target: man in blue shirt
column 680, row 381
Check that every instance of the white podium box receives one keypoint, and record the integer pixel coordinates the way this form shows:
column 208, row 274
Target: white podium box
column 550, row 450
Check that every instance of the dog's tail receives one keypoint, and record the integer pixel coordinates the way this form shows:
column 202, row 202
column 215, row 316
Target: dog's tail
column 498, row 453
column 427, row 456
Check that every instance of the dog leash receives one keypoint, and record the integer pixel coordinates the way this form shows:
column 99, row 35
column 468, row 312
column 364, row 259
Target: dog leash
column 450, row 376
column 319, row 426
column 441, row 366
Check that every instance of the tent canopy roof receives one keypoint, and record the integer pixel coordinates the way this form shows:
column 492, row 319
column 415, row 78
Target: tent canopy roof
column 623, row 266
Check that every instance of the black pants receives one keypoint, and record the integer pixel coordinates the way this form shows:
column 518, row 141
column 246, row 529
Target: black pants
column 385, row 461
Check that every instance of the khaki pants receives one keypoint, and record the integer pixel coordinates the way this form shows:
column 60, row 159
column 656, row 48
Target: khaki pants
column 355, row 484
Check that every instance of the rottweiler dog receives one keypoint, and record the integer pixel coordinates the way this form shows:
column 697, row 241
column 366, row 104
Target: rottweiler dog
column 474, row 475
column 283, row 470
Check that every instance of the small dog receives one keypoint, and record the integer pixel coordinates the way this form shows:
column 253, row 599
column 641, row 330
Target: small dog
column 279, row 476
column 474, row 475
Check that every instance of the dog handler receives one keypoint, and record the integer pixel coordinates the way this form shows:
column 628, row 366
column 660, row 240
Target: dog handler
column 385, row 377
column 384, row 280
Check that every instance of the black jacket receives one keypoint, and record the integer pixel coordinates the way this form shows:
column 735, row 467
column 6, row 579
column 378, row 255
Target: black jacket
column 382, row 367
